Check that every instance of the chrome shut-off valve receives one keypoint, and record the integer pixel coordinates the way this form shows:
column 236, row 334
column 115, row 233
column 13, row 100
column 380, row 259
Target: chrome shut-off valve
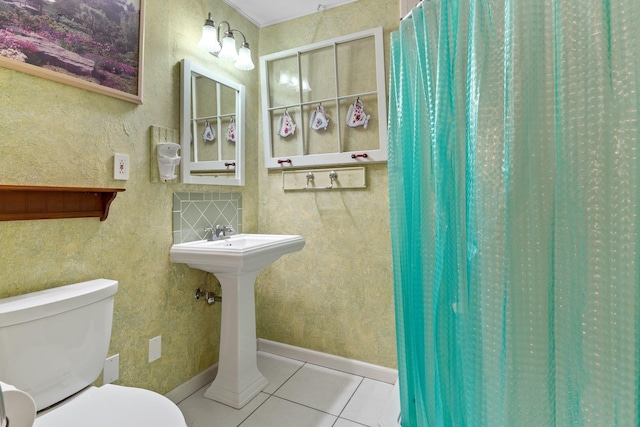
column 210, row 297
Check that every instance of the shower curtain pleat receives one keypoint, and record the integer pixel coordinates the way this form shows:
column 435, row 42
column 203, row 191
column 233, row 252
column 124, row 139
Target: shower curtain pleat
column 513, row 187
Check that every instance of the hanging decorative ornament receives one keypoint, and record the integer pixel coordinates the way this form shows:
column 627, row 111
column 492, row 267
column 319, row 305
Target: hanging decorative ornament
column 319, row 119
column 231, row 130
column 286, row 125
column 209, row 133
column 356, row 115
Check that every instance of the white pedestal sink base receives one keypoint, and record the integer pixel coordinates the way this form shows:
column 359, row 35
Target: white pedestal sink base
column 238, row 379
column 233, row 398
column 236, row 262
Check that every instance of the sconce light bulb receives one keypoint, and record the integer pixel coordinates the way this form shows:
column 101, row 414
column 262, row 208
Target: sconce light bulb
column 228, row 50
column 244, row 61
column 284, row 78
column 209, row 40
column 305, row 85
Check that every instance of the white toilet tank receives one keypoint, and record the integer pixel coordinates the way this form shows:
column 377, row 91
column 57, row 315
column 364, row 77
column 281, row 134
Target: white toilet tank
column 53, row 343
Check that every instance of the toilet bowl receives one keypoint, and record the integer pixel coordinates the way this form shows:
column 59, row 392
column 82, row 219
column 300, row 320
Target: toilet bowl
column 53, row 345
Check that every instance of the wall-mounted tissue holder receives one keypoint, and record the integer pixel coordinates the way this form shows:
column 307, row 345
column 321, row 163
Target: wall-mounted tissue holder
column 324, row 179
column 18, row 407
column 3, row 412
column 168, row 159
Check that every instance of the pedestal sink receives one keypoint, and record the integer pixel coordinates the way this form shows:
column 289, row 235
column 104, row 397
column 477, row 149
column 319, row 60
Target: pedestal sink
column 236, row 262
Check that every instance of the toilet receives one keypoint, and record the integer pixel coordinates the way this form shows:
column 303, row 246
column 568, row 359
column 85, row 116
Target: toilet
column 53, row 345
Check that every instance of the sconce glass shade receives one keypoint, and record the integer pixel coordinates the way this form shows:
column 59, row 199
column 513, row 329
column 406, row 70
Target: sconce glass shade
column 244, row 61
column 284, row 78
column 209, row 40
column 228, row 50
column 305, row 85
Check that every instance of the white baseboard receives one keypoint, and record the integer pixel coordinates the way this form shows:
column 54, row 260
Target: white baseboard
column 355, row 367
column 192, row 385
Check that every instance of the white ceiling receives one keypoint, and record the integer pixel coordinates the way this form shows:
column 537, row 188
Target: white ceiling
column 269, row 12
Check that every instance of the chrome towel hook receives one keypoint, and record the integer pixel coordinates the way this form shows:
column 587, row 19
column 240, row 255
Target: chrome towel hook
column 333, row 176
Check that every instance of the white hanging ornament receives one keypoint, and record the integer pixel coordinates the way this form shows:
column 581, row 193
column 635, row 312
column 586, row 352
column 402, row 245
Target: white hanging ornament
column 286, row 125
column 231, row 131
column 356, row 115
column 319, row 119
column 209, row 133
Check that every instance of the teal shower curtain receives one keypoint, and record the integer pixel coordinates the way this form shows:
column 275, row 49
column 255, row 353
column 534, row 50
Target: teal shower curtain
column 514, row 186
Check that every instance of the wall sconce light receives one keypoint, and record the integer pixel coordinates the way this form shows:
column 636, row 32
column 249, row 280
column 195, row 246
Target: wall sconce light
column 226, row 50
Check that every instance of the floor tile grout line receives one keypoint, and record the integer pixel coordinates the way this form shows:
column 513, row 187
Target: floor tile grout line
column 270, row 395
column 351, row 421
column 287, row 380
column 327, row 366
column 362, row 377
column 337, row 417
column 254, row 411
column 351, row 397
column 305, row 406
column 311, row 407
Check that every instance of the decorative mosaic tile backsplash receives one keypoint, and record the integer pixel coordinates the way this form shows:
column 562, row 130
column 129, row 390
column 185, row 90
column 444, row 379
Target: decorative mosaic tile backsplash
column 193, row 212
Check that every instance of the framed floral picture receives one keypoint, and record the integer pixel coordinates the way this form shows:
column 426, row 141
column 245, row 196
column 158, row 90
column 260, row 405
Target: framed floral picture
column 90, row 44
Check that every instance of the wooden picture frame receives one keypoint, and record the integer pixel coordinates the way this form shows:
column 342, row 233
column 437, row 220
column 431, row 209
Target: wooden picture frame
column 96, row 45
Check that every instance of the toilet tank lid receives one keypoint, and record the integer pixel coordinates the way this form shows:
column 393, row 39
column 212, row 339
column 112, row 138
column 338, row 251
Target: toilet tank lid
column 49, row 302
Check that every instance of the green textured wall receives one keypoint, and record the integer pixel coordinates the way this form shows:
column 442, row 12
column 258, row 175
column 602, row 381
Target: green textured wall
column 54, row 134
column 336, row 295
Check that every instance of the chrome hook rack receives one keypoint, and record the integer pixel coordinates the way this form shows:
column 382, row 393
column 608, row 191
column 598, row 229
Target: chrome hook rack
column 333, row 176
column 324, row 179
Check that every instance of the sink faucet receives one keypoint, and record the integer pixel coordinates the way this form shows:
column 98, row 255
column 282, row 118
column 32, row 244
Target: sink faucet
column 219, row 232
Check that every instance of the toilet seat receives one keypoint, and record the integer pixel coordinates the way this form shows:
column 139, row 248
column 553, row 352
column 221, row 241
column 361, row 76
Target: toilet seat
column 113, row 405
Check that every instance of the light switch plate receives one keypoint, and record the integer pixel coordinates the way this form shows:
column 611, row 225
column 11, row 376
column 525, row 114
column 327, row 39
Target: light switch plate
column 121, row 166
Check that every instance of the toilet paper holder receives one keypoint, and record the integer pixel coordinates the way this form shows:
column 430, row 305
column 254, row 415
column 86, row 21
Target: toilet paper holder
column 20, row 404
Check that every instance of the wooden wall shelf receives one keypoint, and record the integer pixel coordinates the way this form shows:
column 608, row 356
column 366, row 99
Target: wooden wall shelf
column 34, row 202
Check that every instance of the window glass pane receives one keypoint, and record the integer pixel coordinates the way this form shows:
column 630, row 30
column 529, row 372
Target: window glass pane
column 283, row 78
column 290, row 145
column 359, row 138
column 317, row 69
column 322, row 129
column 204, row 98
column 356, row 66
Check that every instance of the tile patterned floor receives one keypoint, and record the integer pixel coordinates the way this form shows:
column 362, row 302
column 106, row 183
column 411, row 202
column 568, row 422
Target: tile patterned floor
column 298, row 395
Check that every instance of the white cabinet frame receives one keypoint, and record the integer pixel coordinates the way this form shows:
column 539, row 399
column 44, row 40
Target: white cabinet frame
column 204, row 172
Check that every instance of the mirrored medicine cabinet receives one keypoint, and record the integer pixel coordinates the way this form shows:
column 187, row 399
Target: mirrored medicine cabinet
column 212, row 121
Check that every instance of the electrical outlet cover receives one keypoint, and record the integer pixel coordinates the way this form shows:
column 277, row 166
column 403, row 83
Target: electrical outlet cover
column 111, row 369
column 154, row 348
column 121, row 166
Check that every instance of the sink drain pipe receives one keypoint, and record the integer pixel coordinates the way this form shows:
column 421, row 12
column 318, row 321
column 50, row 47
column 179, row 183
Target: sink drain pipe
column 209, row 297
